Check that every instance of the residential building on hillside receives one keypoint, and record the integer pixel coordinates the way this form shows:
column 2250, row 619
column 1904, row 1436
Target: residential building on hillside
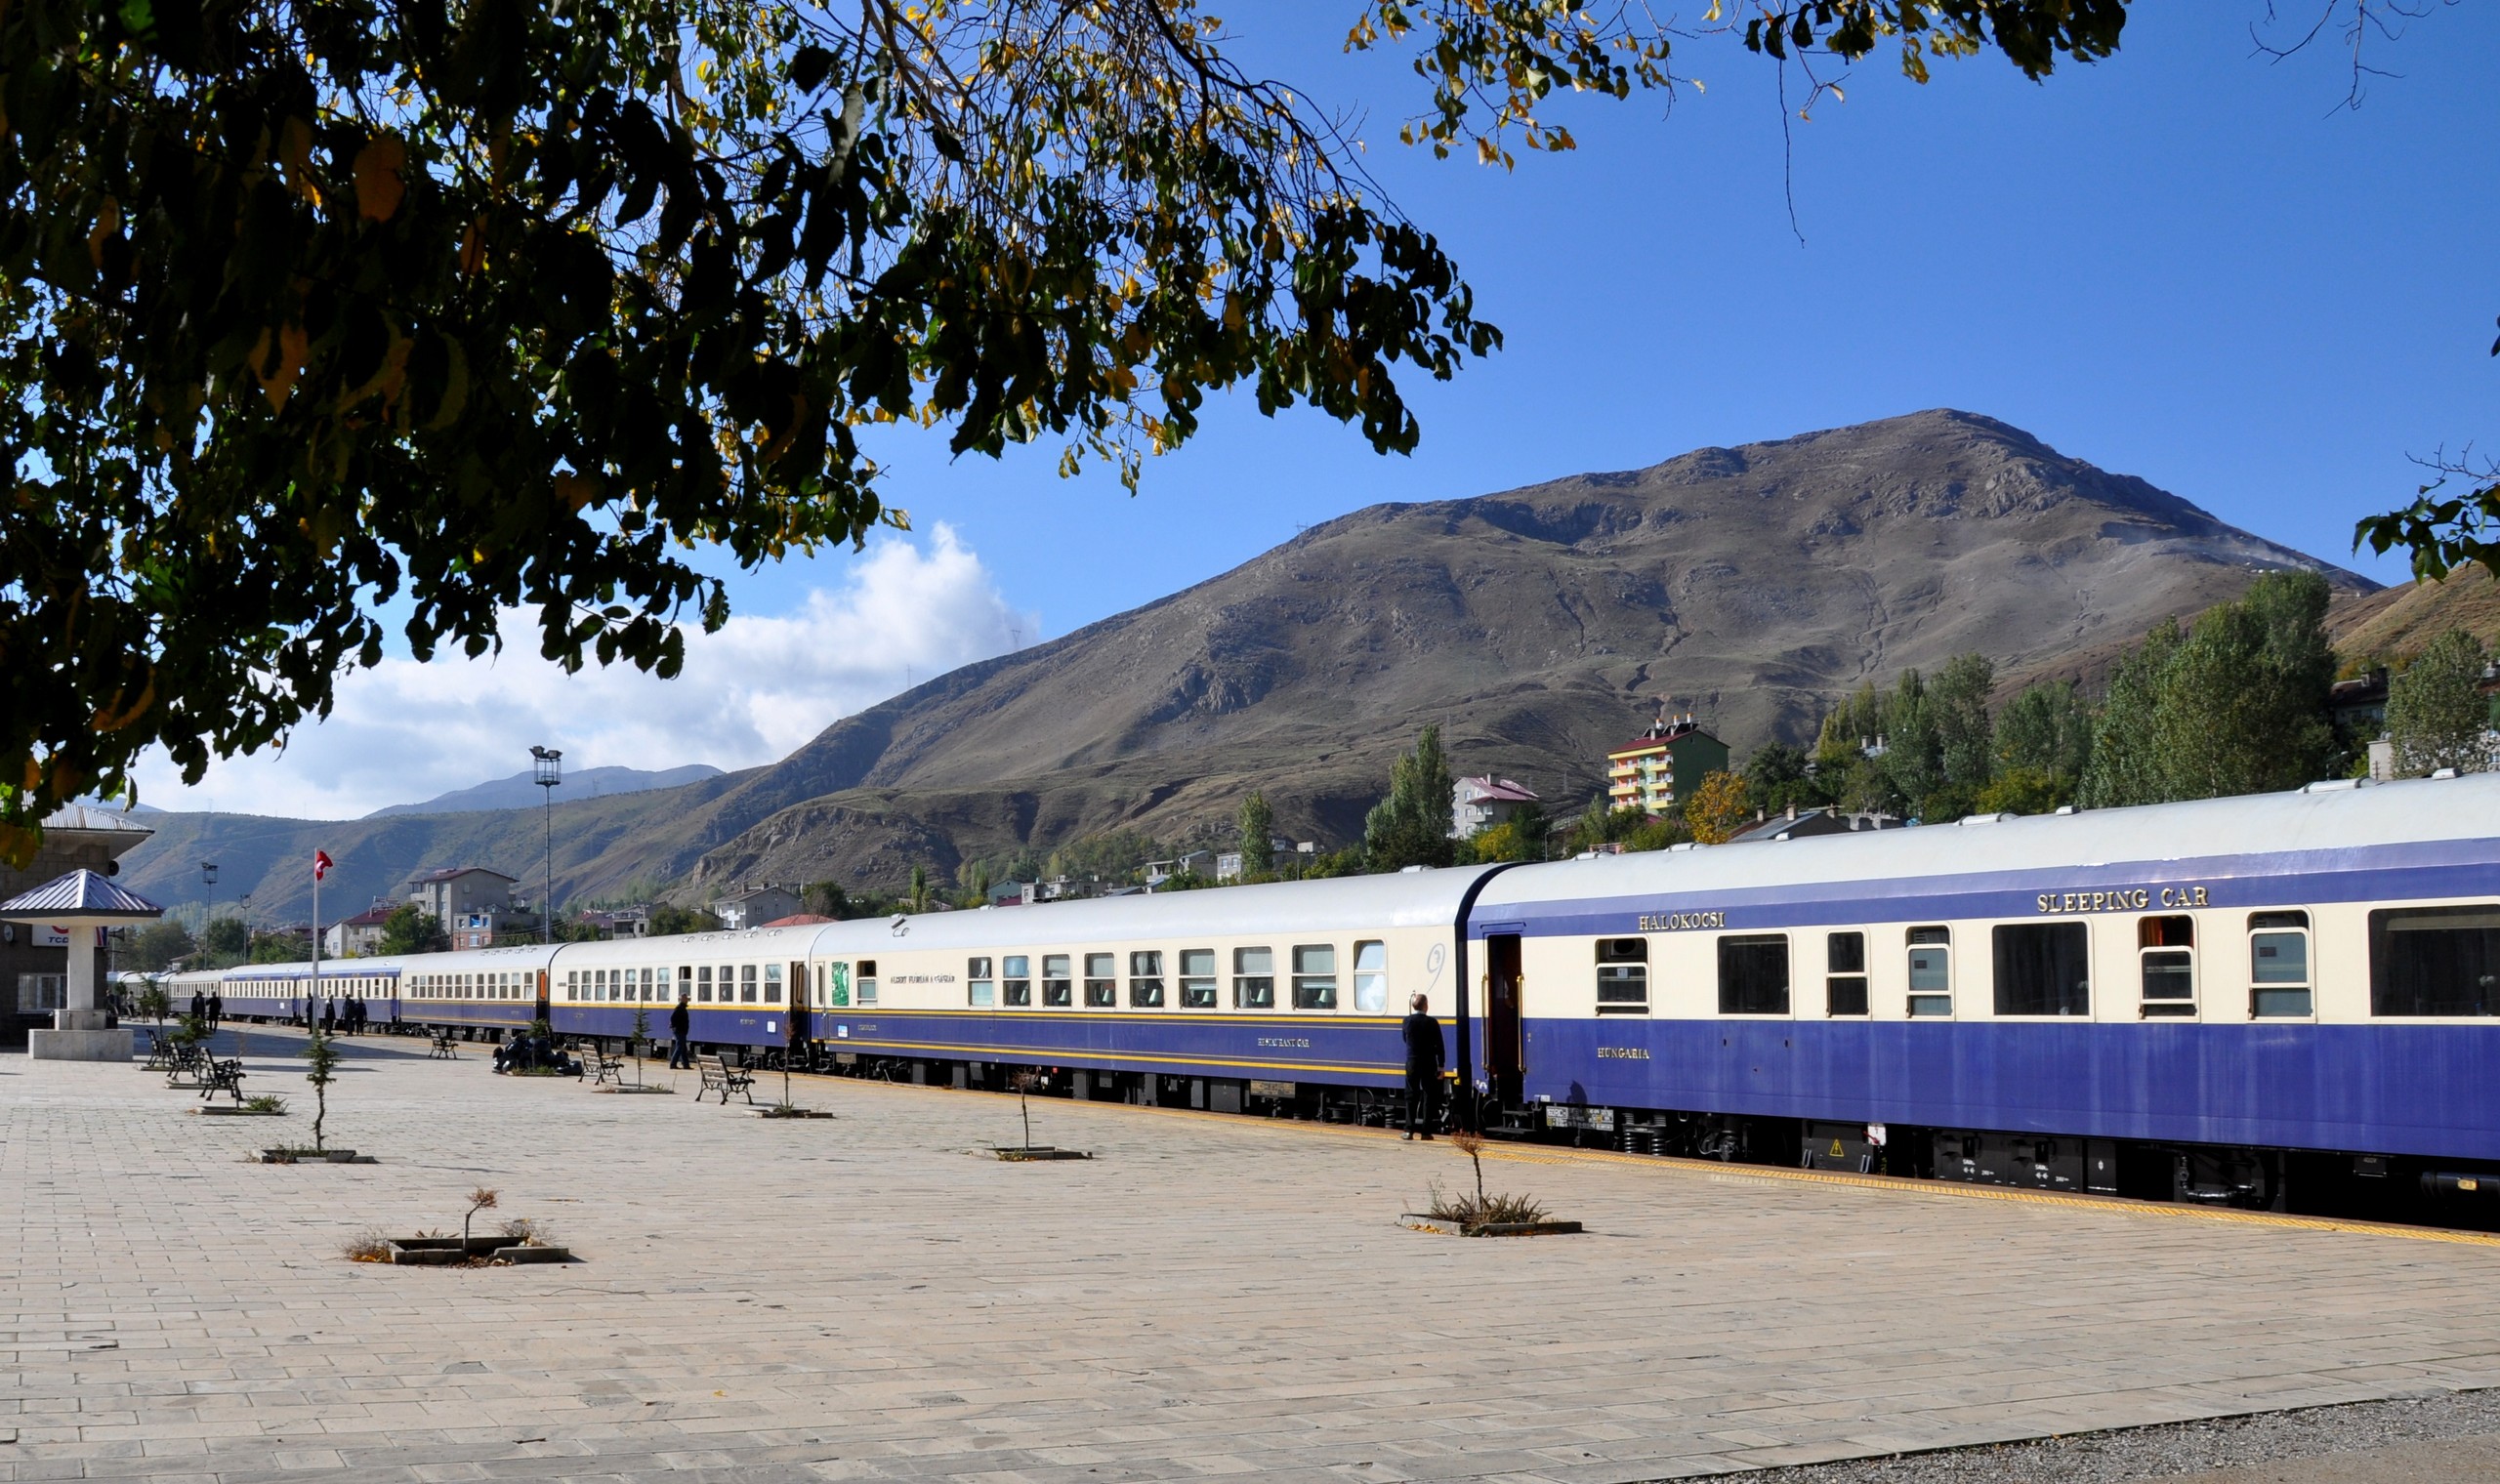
column 1662, row 765
column 1476, row 804
column 1228, row 864
column 1188, row 863
column 357, row 936
column 455, row 892
column 755, row 906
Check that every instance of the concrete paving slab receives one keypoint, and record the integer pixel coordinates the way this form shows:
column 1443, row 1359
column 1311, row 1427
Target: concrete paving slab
column 857, row 1297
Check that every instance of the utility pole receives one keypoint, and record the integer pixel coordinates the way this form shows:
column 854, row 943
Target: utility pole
column 549, row 773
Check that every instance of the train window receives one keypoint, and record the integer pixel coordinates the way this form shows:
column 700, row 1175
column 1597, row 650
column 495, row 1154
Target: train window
column 1017, row 979
column 866, row 981
column 1371, row 977
column 2166, row 950
column 1931, row 973
column 1056, row 981
column 746, row 984
column 2278, row 964
column 1101, row 982
column 1315, row 977
column 703, row 984
column 1197, row 978
column 980, row 989
column 1753, row 975
column 1623, row 976
column 1845, row 975
column 2043, row 969
column 1145, row 978
column 771, row 984
column 1254, row 979
column 2436, row 961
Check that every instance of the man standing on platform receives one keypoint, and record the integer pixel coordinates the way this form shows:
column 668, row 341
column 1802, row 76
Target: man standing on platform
column 681, row 1024
column 1423, row 1068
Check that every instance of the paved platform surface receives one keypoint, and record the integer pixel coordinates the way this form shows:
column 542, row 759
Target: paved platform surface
column 859, row 1298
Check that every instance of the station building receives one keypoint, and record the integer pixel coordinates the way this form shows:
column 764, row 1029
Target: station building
column 34, row 961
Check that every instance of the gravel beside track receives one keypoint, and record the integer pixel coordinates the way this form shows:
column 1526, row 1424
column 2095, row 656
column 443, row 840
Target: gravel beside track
column 2128, row 1455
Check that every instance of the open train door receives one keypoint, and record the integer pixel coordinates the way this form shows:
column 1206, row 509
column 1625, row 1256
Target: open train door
column 802, row 1051
column 1505, row 1037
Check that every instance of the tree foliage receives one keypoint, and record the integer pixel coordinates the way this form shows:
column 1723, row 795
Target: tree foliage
column 1411, row 826
column 668, row 921
column 1256, row 830
column 498, row 314
column 2437, row 713
column 412, row 929
column 157, row 946
column 225, row 942
column 2234, row 704
column 1717, row 810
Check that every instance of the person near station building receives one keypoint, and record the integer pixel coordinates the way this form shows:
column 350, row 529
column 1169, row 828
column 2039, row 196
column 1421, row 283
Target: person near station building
column 1424, row 1054
column 681, row 1024
column 216, row 1009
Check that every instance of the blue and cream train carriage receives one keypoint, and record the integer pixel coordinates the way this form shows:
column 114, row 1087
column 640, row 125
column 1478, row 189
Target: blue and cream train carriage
column 2227, row 1000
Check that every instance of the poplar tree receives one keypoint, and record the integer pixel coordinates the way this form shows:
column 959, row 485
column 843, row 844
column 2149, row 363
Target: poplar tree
column 1411, row 826
column 1258, row 833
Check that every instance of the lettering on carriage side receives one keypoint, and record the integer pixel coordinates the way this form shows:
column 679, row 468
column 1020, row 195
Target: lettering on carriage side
column 1287, row 1042
column 2120, row 900
column 1623, row 1053
column 943, row 978
column 1681, row 922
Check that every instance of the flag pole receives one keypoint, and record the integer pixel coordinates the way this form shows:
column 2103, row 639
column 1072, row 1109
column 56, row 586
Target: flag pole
column 311, row 1012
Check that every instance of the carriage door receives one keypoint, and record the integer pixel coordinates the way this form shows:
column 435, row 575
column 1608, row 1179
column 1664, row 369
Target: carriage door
column 1505, row 1040
column 801, row 1023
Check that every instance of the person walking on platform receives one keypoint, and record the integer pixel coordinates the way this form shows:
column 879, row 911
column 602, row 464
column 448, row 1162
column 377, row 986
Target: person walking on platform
column 681, row 1024
column 199, row 1007
column 216, row 1009
column 1423, row 1069
column 330, row 1016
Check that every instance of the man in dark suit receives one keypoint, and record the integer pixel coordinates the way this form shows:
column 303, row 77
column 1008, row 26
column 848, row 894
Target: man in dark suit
column 681, row 1024
column 1422, row 1036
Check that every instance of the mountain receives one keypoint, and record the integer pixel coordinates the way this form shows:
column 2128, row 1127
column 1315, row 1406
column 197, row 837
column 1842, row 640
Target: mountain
column 2397, row 622
column 1538, row 627
column 520, row 790
column 1752, row 585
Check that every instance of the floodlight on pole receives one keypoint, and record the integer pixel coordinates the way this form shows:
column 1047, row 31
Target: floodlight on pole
column 548, row 774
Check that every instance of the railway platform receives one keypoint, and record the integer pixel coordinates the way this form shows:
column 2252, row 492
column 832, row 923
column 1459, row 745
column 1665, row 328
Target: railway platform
column 861, row 1297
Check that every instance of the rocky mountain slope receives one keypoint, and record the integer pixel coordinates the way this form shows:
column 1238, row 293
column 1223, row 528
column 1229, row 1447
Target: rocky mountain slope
column 1539, row 626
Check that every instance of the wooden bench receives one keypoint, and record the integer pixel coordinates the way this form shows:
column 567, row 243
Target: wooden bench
column 604, row 1065
column 220, row 1076
column 444, row 1047
column 722, row 1078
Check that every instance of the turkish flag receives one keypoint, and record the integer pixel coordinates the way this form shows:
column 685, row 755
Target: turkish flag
column 320, row 864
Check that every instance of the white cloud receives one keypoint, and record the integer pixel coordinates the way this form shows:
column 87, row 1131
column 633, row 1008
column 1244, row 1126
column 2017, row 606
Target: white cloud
column 900, row 613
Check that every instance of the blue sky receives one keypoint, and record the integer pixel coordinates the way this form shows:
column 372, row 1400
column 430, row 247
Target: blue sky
column 2187, row 263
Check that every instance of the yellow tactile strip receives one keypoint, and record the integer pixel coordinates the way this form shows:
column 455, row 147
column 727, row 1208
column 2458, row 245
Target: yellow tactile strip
column 1547, row 1154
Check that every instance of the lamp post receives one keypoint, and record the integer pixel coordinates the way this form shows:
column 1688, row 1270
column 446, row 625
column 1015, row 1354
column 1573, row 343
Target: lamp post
column 550, row 772
column 208, row 879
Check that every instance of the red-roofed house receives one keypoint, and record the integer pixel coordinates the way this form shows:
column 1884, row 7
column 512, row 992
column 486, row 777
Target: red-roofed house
column 1476, row 804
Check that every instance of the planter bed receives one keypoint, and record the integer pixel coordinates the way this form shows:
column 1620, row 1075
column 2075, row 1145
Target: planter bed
column 312, row 1157
column 214, row 1110
column 1017, row 1154
column 452, row 1251
column 780, row 1111
column 1449, row 1227
column 641, row 1088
